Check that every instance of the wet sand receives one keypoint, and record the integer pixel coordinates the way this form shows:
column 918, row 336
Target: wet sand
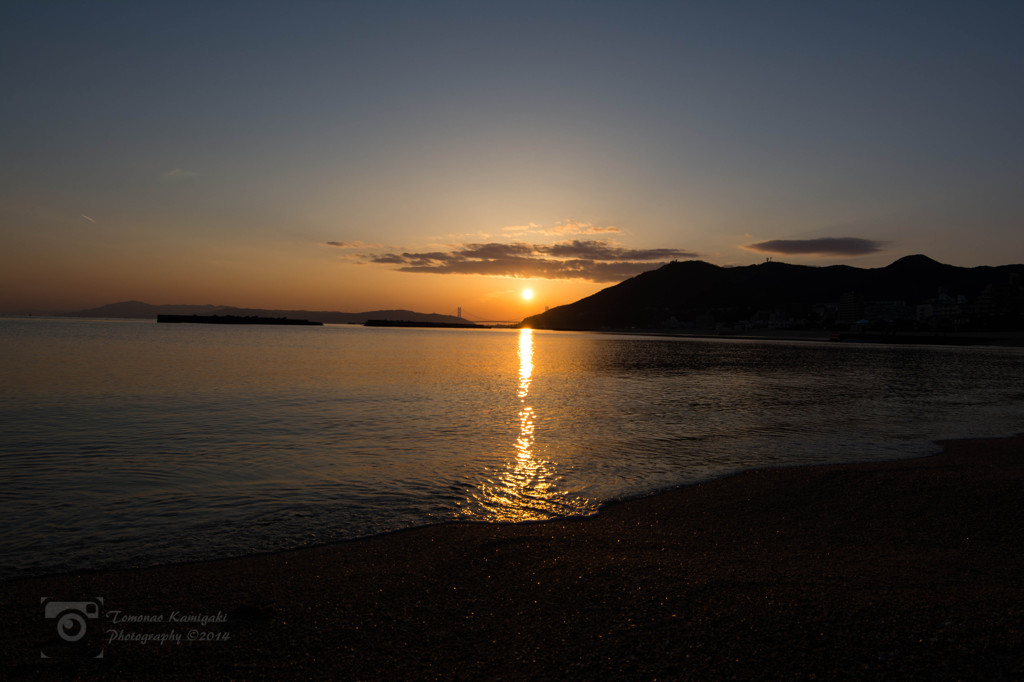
column 911, row 569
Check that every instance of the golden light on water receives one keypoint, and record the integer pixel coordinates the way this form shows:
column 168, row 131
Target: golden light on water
column 523, row 490
column 524, row 444
column 527, row 479
column 525, row 362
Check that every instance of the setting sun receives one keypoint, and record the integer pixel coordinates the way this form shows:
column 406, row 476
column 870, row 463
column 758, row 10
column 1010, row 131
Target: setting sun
column 527, row 294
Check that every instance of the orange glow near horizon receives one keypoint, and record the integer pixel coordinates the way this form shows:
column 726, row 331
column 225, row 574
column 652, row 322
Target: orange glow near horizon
column 62, row 279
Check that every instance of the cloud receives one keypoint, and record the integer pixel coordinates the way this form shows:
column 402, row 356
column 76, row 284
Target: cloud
column 177, row 175
column 825, row 246
column 560, row 229
column 91, row 220
column 496, row 251
column 581, row 227
column 351, row 245
column 604, row 251
column 590, row 260
column 530, row 227
column 389, row 259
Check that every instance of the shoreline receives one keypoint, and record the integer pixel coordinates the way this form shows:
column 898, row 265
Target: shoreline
column 906, row 568
column 56, row 573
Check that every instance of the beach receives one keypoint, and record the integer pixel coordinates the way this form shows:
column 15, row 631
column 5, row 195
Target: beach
column 908, row 569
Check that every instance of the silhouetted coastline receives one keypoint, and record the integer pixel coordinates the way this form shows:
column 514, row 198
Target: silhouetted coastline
column 411, row 323
column 914, row 295
column 234, row 319
column 146, row 311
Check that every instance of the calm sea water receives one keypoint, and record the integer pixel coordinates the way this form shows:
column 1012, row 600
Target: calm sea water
column 127, row 443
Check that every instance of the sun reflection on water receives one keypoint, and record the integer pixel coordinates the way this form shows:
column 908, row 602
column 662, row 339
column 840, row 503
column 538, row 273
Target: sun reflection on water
column 525, row 488
column 524, row 443
column 525, row 362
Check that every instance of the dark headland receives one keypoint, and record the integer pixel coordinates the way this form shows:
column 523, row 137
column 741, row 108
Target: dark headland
column 904, row 570
column 914, row 299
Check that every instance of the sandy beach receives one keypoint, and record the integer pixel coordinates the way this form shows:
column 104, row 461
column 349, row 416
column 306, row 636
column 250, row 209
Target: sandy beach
column 900, row 570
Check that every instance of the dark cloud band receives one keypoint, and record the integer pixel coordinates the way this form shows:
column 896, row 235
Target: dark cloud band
column 826, row 246
column 590, row 260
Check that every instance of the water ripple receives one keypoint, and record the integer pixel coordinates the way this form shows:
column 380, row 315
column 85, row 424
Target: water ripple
column 192, row 443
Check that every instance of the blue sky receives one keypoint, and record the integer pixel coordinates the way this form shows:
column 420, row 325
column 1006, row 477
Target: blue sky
column 354, row 156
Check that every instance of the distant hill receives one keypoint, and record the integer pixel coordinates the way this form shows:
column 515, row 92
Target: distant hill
column 140, row 310
column 701, row 295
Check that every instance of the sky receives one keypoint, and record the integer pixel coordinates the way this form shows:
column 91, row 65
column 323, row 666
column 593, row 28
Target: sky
column 432, row 156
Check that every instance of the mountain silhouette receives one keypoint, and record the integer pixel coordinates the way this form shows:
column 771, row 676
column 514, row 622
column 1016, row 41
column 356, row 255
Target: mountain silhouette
column 140, row 310
column 699, row 294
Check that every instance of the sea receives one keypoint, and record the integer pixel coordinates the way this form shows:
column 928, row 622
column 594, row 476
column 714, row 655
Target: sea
column 128, row 443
